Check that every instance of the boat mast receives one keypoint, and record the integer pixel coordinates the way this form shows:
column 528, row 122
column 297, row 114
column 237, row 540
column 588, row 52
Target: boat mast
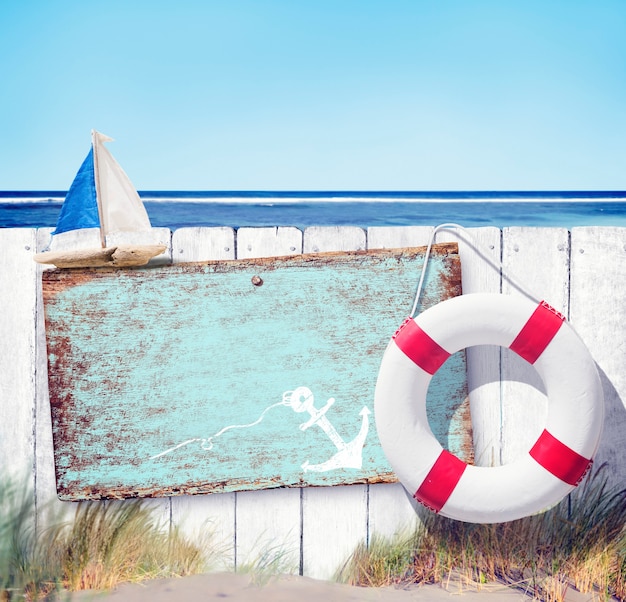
column 96, row 174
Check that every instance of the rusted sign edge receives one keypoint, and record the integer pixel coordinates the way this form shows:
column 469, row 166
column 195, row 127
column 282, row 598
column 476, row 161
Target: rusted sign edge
column 221, row 265
column 71, row 494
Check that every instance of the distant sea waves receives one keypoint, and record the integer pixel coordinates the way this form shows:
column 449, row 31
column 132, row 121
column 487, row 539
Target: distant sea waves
column 302, row 209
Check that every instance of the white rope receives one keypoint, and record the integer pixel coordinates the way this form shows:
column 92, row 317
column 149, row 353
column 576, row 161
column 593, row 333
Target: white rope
column 207, row 443
column 476, row 247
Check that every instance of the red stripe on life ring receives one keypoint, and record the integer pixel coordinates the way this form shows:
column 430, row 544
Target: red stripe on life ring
column 440, row 481
column 559, row 459
column 419, row 347
column 537, row 333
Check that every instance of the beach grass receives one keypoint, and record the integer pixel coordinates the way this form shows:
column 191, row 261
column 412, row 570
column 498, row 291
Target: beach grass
column 272, row 560
column 120, row 542
column 106, row 543
column 581, row 542
column 29, row 564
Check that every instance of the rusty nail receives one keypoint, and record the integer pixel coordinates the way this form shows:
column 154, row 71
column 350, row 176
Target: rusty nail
column 257, row 280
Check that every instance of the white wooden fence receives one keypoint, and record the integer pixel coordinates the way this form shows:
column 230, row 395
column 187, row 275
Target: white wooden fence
column 581, row 273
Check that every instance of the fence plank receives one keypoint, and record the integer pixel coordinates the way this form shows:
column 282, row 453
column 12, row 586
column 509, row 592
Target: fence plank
column 334, row 520
column 49, row 508
column 389, row 506
column 598, row 313
column 18, row 300
column 268, row 532
column 266, row 519
column 539, row 259
column 203, row 244
column 334, row 238
column 392, row 510
column 206, row 515
column 268, row 242
column 480, row 251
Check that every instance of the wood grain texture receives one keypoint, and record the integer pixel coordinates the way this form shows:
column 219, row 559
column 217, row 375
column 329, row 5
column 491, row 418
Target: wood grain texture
column 268, row 527
column 326, row 538
column 455, row 433
column 268, row 242
column 332, row 526
column 18, row 278
column 274, row 515
column 334, row 238
column 480, row 251
column 391, row 508
column 536, row 261
column 206, row 516
column 598, row 314
column 49, row 507
column 149, row 367
column 203, row 244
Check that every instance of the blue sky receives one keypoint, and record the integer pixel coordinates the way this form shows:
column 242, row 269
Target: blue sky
column 317, row 94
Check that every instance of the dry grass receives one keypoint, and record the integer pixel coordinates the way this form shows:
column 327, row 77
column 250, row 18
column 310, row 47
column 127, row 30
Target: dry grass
column 115, row 542
column 105, row 544
column 271, row 561
column 581, row 542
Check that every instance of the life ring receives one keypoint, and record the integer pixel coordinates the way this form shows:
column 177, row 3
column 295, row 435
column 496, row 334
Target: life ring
column 561, row 455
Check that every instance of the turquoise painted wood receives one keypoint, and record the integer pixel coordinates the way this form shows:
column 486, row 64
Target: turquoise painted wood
column 235, row 375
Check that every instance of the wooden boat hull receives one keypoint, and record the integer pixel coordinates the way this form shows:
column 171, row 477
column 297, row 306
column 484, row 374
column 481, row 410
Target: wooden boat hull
column 119, row 256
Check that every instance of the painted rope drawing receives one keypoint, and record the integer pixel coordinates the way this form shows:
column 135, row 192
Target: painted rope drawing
column 301, row 399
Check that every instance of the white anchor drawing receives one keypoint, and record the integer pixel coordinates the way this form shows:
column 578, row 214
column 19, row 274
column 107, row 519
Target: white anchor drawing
column 350, row 455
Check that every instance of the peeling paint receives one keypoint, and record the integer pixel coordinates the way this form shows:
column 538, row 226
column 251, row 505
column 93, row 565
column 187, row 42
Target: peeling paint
column 142, row 359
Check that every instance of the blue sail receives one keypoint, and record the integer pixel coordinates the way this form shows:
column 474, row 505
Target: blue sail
column 80, row 208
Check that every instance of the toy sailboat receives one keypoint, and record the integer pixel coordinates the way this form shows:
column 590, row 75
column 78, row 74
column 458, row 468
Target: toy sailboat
column 101, row 196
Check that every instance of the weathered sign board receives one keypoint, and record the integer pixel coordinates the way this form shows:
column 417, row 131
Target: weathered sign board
column 235, row 375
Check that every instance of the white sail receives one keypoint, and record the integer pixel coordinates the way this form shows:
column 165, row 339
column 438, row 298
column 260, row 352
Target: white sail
column 121, row 209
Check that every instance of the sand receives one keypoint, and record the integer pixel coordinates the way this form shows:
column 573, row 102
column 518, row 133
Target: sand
column 233, row 587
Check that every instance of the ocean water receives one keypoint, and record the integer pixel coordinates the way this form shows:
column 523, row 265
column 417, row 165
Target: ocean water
column 181, row 209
